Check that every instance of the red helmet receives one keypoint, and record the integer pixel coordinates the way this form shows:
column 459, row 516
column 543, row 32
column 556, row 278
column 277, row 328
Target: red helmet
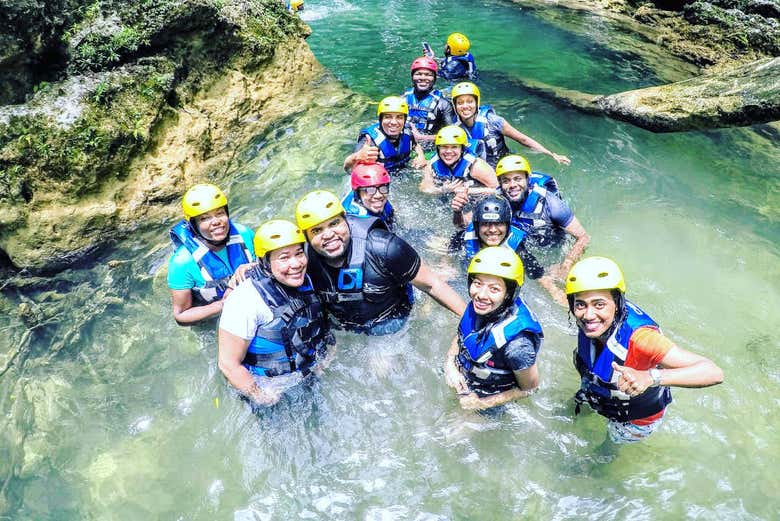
column 424, row 62
column 369, row 174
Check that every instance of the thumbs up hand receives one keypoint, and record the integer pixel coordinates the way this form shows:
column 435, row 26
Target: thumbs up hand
column 369, row 153
column 631, row 381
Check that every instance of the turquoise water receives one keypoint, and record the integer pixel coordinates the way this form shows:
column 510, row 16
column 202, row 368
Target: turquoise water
column 128, row 417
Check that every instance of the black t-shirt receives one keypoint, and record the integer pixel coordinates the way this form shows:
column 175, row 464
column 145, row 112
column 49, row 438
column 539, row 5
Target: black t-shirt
column 389, row 265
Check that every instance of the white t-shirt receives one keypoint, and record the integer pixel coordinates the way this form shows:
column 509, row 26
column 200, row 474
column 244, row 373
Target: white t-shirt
column 244, row 311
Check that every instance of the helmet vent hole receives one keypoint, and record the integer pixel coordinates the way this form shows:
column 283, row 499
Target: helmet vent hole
column 603, row 274
column 275, row 236
column 506, row 264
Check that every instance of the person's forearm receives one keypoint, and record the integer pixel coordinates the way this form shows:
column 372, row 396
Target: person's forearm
column 195, row 314
column 576, row 251
column 503, row 397
column 350, row 161
column 701, row 374
column 447, row 297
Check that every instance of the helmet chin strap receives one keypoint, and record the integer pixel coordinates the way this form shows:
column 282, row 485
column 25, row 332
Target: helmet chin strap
column 196, row 231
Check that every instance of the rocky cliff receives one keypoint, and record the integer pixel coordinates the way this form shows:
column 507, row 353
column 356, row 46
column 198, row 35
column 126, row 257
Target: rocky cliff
column 126, row 104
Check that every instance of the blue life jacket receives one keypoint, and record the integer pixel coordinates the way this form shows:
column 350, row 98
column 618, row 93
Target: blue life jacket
column 213, row 269
column 471, row 240
column 479, row 346
column 391, row 156
column 422, row 112
column 353, row 206
column 495, row 146
column 599, row 381
column 296, row 336
column 457, row 67
column 461, row 169
column 531, row 214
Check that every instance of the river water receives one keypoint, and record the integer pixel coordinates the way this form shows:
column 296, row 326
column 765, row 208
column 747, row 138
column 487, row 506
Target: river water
column 129, row 417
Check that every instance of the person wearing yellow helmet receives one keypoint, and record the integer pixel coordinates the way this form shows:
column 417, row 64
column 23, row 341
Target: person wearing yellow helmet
column 389, row 141
column 625, row 363
column 273, row 330
column 483, row 125
column 212, row 255
column 458, row 62
column 492, row 360
column 293, row 5
column 362, row 272
column 454, row 167
column 541, row 213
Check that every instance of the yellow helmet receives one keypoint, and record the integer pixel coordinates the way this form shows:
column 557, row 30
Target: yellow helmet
column 465, row 87
column 393, row 104
column 451, row 135
column 595, row 273
column 202, row 198
column 275, row 234
column 316, row 207
column 296, row 5
column 499, row 261
column 512, row 163
column 458, row 44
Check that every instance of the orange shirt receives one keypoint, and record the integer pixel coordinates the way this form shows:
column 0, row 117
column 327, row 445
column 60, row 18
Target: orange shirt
column 646, row 348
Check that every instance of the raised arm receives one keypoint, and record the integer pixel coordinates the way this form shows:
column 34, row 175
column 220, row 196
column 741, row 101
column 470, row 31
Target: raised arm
column 511, row 132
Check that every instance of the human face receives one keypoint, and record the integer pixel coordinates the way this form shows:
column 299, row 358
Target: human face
column 466, row 107
column 491, row 234
column 514, row 185
column 213, row 225
column 450, row 154
column 487, row 293
column 594, row 311
column 423, row 79
column 393, row 123
column 330, row 238
column 375, row 202
column 288, row 265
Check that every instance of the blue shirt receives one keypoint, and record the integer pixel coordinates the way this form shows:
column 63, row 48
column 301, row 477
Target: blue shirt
column 183, row 271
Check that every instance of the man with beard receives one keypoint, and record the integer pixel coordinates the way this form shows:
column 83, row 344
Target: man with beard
column 539, row 211
column 362, row 272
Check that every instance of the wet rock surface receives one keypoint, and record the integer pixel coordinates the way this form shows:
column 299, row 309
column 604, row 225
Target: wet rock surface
column 153, row 96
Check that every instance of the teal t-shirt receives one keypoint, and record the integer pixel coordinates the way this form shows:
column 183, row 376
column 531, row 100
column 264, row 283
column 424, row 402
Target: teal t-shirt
column 183, row 271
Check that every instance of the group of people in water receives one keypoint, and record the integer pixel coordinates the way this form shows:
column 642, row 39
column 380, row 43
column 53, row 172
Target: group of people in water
column 281, row 290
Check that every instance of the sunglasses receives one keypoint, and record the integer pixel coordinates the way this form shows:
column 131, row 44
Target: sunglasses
column 382, row 189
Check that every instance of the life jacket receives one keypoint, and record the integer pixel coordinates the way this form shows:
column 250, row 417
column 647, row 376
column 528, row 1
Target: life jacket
column 456, row 67
column 213, row 269
column 353, row 207
column 461, row 169
column 391, row 156
column 478, row 347
column 494, row 143
column 422, row 112
column 599, row 381
column 531, row 216
column 512, row 241
column 297, row 334
column 359, row 291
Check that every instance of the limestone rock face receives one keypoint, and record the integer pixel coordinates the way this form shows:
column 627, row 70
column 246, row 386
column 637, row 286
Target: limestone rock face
column 746, row 95
column 152, row 96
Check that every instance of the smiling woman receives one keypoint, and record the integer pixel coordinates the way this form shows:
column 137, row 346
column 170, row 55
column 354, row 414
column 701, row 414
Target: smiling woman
column 212, row 255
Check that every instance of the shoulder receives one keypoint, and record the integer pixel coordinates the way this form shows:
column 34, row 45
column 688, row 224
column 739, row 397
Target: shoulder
column 182, row 270
column 647, row 347
column 521, row 351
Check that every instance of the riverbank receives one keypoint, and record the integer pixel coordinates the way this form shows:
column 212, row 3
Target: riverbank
column 712, row 35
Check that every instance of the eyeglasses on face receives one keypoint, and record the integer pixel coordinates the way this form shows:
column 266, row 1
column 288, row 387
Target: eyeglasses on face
column 382, row 189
